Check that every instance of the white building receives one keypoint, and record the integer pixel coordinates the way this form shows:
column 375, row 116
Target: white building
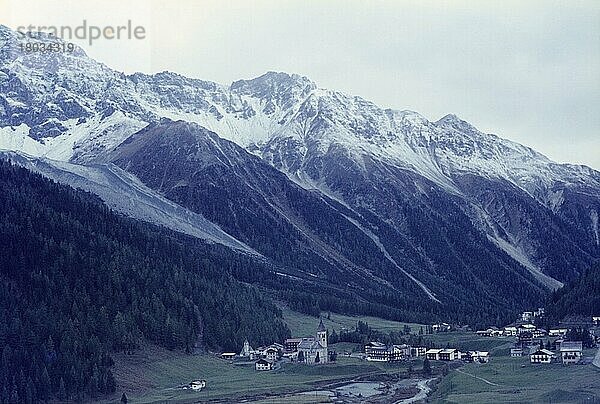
column 480, row 356
column 449, row 354
column 271, row 353
column 542, row 356
column 525, row 328
column 263, row 364
column 571, row 351
column 433, row 354
column 557, row 332
column 538, row 333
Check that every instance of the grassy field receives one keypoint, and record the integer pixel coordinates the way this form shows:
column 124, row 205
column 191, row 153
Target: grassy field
column 507, row 379
column 303, row 325
column 154, row 374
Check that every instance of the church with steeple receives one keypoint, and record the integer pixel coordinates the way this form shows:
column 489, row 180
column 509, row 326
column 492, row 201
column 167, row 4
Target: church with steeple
column 313, row 350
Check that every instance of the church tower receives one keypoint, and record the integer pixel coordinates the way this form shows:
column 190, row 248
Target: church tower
column 322, row 334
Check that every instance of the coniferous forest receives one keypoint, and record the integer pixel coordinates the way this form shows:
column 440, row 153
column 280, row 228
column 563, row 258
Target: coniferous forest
column 79, row 282
column 580, row 297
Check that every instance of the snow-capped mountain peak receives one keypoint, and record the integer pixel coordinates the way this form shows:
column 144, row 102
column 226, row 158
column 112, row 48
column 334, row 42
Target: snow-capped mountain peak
column 71, row 107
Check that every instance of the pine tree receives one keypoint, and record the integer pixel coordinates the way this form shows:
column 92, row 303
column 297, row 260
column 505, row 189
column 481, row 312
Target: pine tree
column 62, row 392
column 124, row 398
column 426, row 367
column 44, row 387
column 30, row 392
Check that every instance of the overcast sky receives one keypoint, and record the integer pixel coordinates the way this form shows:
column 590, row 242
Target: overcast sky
column 525, row 70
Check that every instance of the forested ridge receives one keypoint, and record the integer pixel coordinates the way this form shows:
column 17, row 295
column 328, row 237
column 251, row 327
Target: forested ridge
column 580, row 297
column 78, row 282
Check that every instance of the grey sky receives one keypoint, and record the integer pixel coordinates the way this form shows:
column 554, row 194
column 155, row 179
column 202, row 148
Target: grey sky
column 525, row 70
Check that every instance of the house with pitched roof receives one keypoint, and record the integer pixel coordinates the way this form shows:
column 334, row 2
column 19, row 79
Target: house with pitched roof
column 542, row 356
column 571, row 351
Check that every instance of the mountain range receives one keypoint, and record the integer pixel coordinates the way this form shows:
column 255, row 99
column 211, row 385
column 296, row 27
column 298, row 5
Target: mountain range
column 354, row 207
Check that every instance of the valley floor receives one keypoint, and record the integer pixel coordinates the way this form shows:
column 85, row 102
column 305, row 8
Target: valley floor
column 156, row 375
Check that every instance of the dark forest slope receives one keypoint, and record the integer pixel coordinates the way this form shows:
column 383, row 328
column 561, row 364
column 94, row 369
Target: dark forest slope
column 78, row 282
column 580, row 297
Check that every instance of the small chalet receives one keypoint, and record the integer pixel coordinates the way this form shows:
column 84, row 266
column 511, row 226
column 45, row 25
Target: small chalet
column 228, row 355
column 271, row 353
column 542, row 356
column 263, row 364
column 478, row 356
column 571, row 352
column 510, row 331
column 556, row 343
